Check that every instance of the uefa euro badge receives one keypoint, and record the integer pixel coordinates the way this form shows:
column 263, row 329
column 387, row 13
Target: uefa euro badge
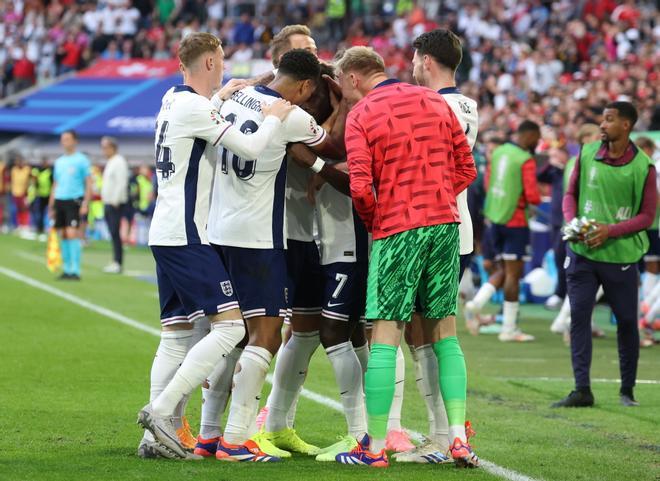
column 226, row 287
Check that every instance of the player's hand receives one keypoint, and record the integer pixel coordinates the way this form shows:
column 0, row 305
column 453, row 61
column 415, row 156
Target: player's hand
column 335, row 88
column 598, row 236
column 301, row 154
column 230, row 87
column 313, row 186
column 83, row 209
column 51, row 213
column 280, row 109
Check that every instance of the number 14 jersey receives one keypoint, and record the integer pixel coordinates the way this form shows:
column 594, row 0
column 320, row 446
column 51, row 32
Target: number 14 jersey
column 248, row 198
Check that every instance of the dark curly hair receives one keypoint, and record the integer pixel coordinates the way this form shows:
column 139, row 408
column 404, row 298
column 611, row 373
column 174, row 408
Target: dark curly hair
column 442, row 45
column 300, row 64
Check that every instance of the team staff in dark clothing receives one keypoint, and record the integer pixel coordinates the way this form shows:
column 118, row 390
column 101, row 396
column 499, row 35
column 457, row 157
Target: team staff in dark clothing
column 613, row 183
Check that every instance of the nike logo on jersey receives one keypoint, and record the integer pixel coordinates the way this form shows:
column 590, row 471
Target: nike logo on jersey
column 333, row 304
column 625, row 268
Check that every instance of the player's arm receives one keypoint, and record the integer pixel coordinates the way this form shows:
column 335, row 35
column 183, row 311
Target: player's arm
column 360, row 160
column 305, row 157
column 301, row 127
column 530, row 185
column 208, row 124
column 465, row 171
column 569, row 201
column 334, row 146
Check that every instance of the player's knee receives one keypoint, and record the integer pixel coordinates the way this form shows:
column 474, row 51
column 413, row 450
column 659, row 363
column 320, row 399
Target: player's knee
column 334, row 332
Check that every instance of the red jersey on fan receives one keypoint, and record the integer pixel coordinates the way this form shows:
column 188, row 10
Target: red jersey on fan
column 407, row 158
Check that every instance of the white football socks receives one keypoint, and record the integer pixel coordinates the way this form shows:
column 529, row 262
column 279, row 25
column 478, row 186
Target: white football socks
column 216, row 395
column 348, row 374
column 648, row 283
column 362, row 353
column 510, row 315
column 251, row 371
column 429, row 386
column 394, row 420
column 199, row 363
column 169, row 356
column 485, row 292
column 290, row 372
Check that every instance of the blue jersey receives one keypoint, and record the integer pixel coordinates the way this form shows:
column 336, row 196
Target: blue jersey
column 70, row 174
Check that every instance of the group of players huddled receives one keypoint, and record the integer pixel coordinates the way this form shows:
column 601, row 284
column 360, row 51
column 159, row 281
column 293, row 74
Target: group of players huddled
column 333, row 199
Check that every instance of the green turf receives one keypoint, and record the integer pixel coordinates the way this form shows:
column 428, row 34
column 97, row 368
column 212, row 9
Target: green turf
column 73, row 380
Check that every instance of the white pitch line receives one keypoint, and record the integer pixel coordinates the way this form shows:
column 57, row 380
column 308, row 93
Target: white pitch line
column 570, row 379
column 488, row 466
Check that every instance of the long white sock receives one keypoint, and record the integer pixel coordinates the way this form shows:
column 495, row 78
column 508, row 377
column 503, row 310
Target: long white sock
column 422, row 385
column 655, row 294
column 291, row 415
column 510, row 314
column 200, row 329
column 653, row 311
column 199, row 363
column 170, row 354
column 249, row 379
column 362, row 353
column 348, row 374
column 394, row 420
column 484, row 294
column 290, row 371
column 563, row 319
column 216, row 395
column 648, row 283
column 430, row 389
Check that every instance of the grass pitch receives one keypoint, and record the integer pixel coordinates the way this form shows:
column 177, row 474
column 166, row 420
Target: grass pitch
column 72, row 381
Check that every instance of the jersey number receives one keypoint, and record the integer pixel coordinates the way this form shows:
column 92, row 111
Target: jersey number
column 164, row 163
column 341, row 278
column 244, row 169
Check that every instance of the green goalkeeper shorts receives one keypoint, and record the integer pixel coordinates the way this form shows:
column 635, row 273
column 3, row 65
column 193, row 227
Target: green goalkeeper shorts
column 422, row 261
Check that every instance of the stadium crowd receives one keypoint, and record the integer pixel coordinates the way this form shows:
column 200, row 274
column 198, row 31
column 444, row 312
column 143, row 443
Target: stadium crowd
column 553, row 62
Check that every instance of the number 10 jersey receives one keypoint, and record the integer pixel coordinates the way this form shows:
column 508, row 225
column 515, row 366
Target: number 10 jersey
column 248, row 198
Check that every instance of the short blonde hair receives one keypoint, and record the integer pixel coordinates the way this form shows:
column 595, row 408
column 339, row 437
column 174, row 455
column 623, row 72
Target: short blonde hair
column 587, row 130
column 195, row 45
column 362, row 60
column 281, row 42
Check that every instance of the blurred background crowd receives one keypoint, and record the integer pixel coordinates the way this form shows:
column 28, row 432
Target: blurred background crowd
column 555, row 62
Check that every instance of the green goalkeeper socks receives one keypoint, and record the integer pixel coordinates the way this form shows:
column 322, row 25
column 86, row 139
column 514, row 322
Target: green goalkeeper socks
column 379, row 388
column 453, row 378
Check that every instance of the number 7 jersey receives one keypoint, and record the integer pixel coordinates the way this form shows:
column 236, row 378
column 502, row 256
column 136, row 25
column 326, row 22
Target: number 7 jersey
column 248, row 199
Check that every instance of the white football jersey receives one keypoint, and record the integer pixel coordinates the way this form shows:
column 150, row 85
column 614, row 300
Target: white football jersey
column 248, row 205
column 299, row 211
column 342, row 235
column 465, row 110
column 187, row 130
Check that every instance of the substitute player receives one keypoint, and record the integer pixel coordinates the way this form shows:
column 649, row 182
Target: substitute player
column 614, row 183
column 512, row 188
column 247, row 225
column 408, row 158
column 437, row 56
column 192, row 280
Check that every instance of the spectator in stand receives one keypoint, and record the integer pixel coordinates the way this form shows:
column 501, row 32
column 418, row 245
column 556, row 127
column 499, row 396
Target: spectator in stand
column 114, row 194
column 20, row 181
column 24, row 72
column 70, row 54
column 244, row 30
